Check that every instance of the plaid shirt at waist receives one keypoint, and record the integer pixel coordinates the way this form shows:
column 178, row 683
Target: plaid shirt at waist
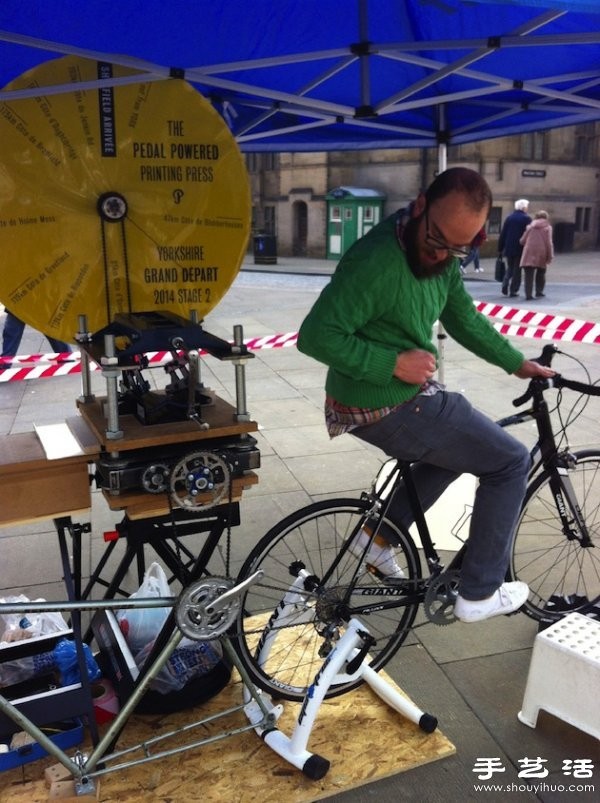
column 340, row 418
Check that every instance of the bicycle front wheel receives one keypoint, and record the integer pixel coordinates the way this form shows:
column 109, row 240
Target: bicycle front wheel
column 311, row 587
column 562, row 569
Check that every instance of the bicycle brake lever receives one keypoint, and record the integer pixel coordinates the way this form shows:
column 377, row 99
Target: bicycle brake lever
column 522, row 399
column 546, row 356
column 545, row 382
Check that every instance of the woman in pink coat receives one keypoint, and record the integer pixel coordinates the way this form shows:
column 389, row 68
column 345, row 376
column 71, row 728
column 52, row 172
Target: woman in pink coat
column 537, row 254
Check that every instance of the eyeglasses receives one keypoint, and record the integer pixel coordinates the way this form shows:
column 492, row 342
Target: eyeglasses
column 441, row 245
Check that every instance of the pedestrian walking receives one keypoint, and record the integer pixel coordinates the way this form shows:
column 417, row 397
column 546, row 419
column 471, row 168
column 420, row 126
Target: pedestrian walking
column 509, row 246
column 473, row 255
column 12, row 334
column 538, row 253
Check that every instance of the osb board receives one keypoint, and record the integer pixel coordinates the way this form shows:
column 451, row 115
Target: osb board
column 363, row 738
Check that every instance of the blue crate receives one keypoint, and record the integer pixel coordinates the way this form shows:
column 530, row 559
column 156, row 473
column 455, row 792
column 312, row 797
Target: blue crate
column 71, row 735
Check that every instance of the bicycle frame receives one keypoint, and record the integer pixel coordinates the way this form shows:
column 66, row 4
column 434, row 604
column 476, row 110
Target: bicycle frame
column 380, row 502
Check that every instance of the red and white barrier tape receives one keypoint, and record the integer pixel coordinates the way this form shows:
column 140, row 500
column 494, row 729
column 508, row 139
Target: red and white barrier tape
column 37, row 366
column 527, row 323
column 510, row 321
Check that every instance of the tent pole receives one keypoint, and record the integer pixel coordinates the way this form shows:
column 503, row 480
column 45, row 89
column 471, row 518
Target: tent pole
column 441, row 335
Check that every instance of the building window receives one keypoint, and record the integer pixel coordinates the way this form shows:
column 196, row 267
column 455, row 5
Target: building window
column 534, row 146
column 269, row 215
column 335, row 213
column 585, row 143
column 583, row 215
column 495, row 220
column 269, row 161
column 368, row 214
column 585, row 149
column 348, row 213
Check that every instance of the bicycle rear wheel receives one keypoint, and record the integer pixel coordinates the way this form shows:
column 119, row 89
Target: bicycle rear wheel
column 311, row 588
column 561, row 569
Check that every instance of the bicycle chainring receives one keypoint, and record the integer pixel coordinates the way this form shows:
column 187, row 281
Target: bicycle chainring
column 199, row 481
column 440, row 598
column 199, row 614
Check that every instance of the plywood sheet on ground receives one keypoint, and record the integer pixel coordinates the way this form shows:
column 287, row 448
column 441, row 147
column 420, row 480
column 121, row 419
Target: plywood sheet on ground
column 363, row 738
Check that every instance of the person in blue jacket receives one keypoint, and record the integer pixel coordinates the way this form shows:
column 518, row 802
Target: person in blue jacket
column 13, row 332
column 511, row 249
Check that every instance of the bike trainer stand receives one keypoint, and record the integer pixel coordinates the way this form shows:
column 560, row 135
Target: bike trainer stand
column 346, row 663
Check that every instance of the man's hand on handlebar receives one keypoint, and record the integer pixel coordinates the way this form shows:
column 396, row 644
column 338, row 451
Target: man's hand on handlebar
column 530, row 369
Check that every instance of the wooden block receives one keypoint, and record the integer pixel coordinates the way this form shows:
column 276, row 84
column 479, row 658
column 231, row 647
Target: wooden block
column 33, row 487
column 56, row 773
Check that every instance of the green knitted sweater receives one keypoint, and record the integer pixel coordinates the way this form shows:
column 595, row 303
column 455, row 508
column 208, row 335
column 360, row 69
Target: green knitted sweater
column 374, row 308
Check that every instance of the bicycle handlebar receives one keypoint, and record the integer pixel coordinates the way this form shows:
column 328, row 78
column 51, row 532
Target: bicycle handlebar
column 538, row 385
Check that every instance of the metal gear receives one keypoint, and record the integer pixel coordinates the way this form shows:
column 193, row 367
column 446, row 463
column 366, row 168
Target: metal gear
column 330, row 608
column 201, row 614
column 440, row 598
column 155, row 478
column 199, row 481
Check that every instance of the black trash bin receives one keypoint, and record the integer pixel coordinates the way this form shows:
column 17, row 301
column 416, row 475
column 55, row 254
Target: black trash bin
column 564, row 237
column 265, row 249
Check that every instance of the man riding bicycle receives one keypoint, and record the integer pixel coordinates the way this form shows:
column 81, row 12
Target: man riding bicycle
column 372, row 326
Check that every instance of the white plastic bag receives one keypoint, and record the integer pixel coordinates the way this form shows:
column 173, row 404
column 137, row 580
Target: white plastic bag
column 31, row 624
column 142, row 625
column 21, row 626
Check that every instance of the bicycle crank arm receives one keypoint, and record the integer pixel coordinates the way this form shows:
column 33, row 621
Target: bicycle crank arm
column 233, row 594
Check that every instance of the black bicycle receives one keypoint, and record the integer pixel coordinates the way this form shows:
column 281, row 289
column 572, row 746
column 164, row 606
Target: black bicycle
column 313, row 583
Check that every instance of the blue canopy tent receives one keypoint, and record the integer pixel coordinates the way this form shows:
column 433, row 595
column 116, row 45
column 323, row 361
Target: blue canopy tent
column 306, row 75
column 315, row 75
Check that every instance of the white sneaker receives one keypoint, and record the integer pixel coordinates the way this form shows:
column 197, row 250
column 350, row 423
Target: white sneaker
column 506, row 599
column 380, row 559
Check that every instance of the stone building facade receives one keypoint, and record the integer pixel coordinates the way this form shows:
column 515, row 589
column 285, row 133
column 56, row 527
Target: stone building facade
column 557, row 170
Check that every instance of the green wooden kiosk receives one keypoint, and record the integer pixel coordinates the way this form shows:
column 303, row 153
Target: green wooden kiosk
column 351, row 213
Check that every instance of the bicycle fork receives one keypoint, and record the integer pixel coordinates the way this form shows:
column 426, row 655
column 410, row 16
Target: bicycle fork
column 573, row 523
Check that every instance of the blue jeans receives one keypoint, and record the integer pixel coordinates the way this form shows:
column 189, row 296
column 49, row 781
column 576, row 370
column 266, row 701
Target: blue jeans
column 449, row 437
column 13, row 332
column 472, row 257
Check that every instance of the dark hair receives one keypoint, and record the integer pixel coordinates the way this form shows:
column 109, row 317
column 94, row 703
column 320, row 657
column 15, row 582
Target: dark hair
column 461, row 179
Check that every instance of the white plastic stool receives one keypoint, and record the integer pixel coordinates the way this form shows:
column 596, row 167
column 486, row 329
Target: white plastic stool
column 564, row 674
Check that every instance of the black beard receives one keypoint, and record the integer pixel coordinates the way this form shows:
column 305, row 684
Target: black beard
column 409, row 238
